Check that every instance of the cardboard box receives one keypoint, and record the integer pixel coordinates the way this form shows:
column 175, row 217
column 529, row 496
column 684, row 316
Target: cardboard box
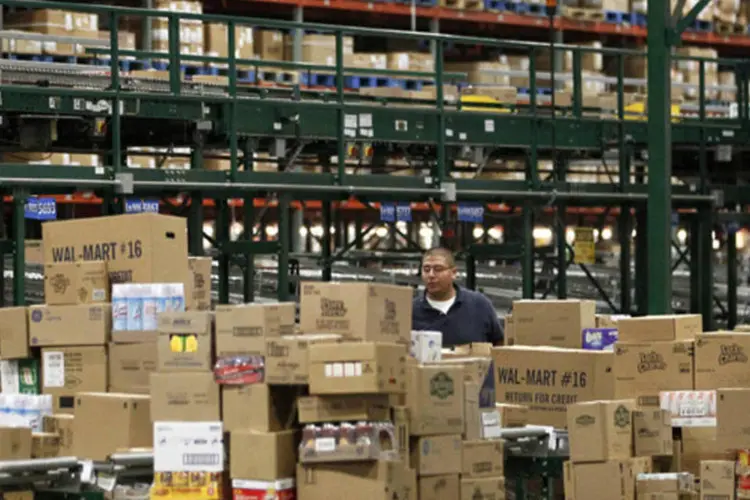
column 600, row 430
column 67, row 371
column 287, row 358
column 435, row 399
column 717, row 479
column 487, row 487
column 15, row 443
column 442, row 487
column 14, row 333
column 721, row 360
column 483, row 459
column 343, row 408
column 512, row 415
column 130, row 367
column 278, row 460
column 478, row 369
column 433, row 455
column 20, row 376
column 203, row 441
column 547, row 380
column 138, row 248
column 732, row 431
column 611, row 480
column 198, row 291
column 660, row 328
column 189, row 396
column 185, row 342
column 45, row 445
column 73, row 283
column 650, row 367
column 366, row 311
column 358, row 368
column 244, row 329
column 127, row 424
column 87, row 324
column 371, row 480
column 652, row 433
column 62, row 425
column 283, row 489
column 557, row 323
column 259, row 407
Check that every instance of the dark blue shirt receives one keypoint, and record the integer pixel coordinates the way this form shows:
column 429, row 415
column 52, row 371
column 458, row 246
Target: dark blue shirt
column 471, row 318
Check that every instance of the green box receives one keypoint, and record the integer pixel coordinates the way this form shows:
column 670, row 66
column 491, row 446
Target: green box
column 20, row 376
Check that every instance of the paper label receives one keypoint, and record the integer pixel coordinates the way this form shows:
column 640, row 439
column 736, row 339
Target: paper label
column 53, row 369
column 9, row 381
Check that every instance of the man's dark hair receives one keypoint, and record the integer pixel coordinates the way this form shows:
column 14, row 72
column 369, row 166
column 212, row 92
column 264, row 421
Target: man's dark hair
column 441, row 252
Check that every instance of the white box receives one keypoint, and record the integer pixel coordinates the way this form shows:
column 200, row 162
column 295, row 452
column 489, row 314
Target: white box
column 188, row 447
column 426, row 346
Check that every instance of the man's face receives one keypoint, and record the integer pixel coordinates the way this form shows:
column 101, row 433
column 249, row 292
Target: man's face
column 437, row 274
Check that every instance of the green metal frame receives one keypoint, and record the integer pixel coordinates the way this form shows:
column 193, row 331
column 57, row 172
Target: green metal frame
column 242, row 123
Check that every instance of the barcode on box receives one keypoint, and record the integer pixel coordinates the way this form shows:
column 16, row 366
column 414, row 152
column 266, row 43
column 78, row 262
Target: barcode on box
column 200, row 459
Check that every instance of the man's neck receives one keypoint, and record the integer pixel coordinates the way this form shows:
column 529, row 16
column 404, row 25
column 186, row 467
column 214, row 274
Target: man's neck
column 442, row 297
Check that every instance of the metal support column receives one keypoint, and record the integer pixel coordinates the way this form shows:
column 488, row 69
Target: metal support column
column 731, row 276
column 221, row 233
column 659, row 159
column 19, row 248
column 705, row 265
column 283, row 291
column 325, row 244
column 248, row 225
column 641, row 262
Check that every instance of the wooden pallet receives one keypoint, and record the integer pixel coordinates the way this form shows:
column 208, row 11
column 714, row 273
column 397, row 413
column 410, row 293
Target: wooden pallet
column 582, row 14
column 473, row 5
column 727, row 29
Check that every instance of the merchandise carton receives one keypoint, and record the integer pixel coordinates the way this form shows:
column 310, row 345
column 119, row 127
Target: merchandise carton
column 67, row 371
column 287, row 358
column 556, row 323
column 343, row 408
column 185, row 341
column 721, row 360
column 72, row 283
column 664, row 328
column 87, row 324
column 14, row 333
column 184, row 396
column 435, row 398
column 600, row 430
column 650, row 367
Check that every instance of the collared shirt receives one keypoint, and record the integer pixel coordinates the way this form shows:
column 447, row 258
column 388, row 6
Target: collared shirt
column 471, row 318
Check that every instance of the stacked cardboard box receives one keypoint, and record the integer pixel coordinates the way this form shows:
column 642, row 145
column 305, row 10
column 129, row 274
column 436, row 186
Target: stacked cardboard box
column 51, row 22
column 191, row 36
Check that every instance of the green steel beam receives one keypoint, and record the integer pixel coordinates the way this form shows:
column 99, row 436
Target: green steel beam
column 681, row 23
column 732, row 280
column 19, row 244
column 659, row 160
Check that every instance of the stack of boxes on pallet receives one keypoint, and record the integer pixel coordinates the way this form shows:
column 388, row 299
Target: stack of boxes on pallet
column 666, row 419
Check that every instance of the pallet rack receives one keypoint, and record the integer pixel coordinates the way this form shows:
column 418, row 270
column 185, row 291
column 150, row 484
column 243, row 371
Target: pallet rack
column 248, row 119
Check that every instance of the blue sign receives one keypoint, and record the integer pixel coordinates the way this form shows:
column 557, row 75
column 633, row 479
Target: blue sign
column 403, row 212
column 733, row 227
column 40, row 209
column 387, row 212
column 471, row 213
column 134, row 206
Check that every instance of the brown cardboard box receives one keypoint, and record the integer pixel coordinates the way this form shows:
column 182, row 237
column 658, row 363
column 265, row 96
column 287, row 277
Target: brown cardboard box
column 367, row 311
column 659, row 328
column 244, row 329
column 185, row 341
column 216, row 40
column 547, row 380
column 477, row 370
column 189, row 396
column 721, row 360
column 15, row 443
column 732, row 431
column 343, row 408
column 269, row 44
column 703, row 443
column 198, row 291
column 433, row 455
column 512, row 415
column 73, row 283
column 600, row 430
column 45, row 445
column 278, row 460
column 138, row 248
column 87, row 324
column 557, row 323
column 287, row 359
column 650, row 367
column 717, row 479
column 611, row 480
column 358, row 368
column 442, row 487
column 652, row 433
column 435, row 398
column 70, row 370
column 483, row 458
column 14, row 333
column 61, row 424
column 130, row 367
column 127, row 424
column 491, row 488
column 259, row 407
column 343, row 481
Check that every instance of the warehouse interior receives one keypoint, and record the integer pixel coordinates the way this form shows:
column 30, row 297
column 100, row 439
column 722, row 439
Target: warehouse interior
column 562, row 149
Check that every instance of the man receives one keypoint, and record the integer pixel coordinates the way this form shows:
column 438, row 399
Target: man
column 463, row 316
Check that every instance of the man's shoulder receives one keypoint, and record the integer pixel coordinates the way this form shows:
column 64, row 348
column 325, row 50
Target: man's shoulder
column 473, row 296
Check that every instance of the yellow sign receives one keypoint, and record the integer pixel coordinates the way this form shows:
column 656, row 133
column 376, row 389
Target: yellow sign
column 584, row 248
